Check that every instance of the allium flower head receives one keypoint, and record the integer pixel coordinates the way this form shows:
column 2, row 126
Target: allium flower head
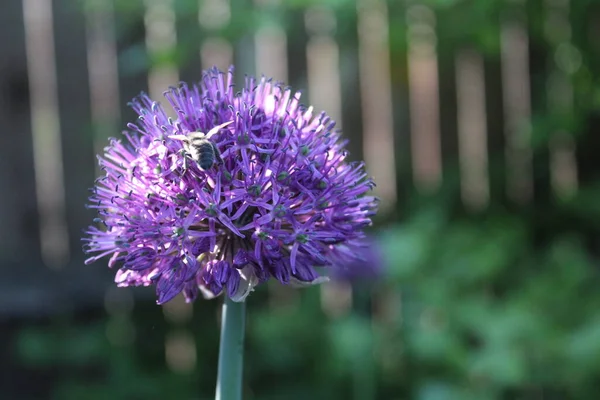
column 279, row 201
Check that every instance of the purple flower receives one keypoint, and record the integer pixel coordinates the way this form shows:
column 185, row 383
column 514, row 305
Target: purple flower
column 265, row 193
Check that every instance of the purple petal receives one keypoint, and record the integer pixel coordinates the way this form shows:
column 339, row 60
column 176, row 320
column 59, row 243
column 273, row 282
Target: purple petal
column 200, row 246
column 241, row 258
column 233, row 283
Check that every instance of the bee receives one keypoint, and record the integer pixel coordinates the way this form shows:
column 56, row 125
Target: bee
column 199, row 148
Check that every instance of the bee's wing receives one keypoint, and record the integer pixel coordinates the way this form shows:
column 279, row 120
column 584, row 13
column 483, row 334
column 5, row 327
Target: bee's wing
column 216, row 129
column 183, row 138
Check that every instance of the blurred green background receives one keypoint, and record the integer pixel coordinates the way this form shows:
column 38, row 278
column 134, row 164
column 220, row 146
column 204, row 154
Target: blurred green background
column 488, row 292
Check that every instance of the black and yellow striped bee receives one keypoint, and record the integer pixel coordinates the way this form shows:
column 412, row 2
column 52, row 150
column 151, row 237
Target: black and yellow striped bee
column 199, row 148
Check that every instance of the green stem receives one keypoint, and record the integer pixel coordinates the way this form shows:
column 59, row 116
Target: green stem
column 231, row 351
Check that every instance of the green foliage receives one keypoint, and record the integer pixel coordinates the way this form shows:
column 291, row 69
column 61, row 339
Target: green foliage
column 488, row 313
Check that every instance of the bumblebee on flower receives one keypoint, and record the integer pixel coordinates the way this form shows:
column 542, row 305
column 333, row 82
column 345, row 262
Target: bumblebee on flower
column 240, row 188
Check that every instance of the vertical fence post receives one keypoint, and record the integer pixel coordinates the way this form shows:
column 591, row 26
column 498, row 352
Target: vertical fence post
column 472, row 129
column 270, row 43
column 517, row 108
column 564, row 60
column 161, row 40
column 103, row 71
column 376, row 96
column 424, row 99
column 215, row 51
column 45, row 126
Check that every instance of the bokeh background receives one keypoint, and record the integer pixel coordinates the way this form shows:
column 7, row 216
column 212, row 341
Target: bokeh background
column 478, row 119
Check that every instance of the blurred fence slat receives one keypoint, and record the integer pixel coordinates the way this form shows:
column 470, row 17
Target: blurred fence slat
column 472, row 132
column 270, row 45
column 563, row 61
column 19, row 231
column 323, row 69
column 161, row 41
column 103, row 71
column 517, row 109
column 215, row 51
column 424, row 98
column 46, row 130
column 77, row 131
column 375, row 82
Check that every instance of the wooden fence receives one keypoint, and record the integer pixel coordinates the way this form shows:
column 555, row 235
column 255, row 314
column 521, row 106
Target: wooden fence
column 69, row 68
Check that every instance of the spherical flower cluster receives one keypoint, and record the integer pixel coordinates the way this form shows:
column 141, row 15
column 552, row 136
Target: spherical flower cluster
column 272, row 198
